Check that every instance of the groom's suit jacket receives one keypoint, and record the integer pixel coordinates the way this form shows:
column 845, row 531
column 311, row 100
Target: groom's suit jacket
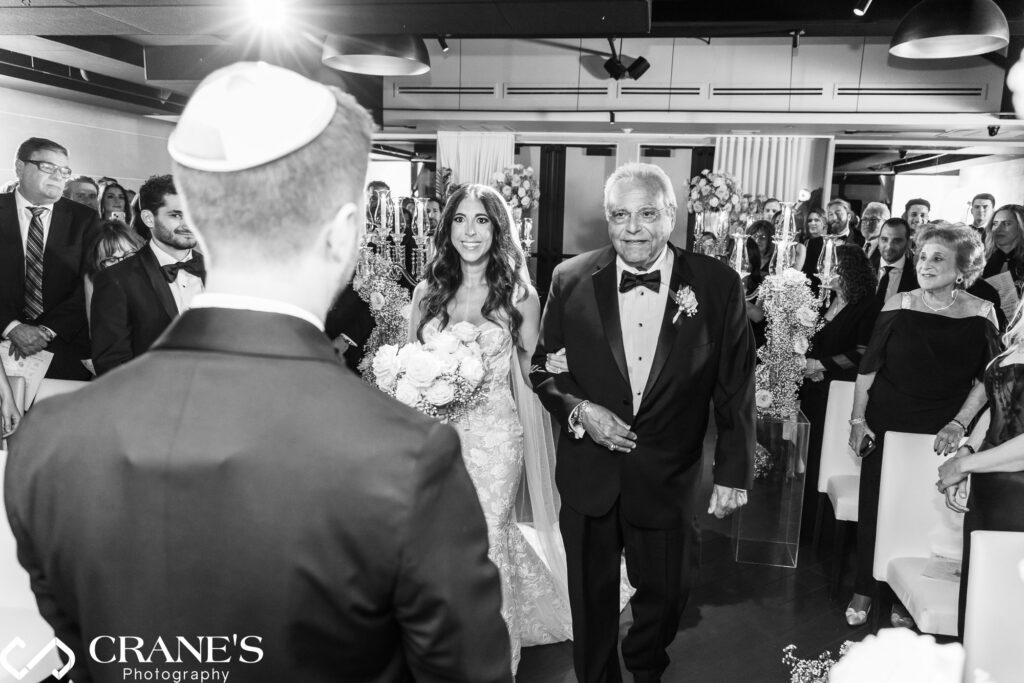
column 699, row 359
column 237, row 479
column 131, row 306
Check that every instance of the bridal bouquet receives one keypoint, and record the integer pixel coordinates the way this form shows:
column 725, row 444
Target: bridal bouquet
column 518, row 187
column 441, row 377
column 713, row 192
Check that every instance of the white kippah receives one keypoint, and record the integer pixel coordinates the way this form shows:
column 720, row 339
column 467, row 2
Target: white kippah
column 248, row 114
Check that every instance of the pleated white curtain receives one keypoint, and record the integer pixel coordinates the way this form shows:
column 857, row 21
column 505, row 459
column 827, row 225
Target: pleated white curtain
column 475, row 157
column 772, row 165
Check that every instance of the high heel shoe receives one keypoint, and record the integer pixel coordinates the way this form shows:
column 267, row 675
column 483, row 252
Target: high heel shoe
column 855, row 617
column 900, row 618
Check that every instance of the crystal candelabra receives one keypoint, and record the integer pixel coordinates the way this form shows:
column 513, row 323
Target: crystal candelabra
column 827, row 267
column 785, row 240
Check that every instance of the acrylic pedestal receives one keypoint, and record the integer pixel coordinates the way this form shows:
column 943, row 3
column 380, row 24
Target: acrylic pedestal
column 767, row 529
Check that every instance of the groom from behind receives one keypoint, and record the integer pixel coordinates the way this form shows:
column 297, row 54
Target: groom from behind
column 652, row 335
column 236, row 487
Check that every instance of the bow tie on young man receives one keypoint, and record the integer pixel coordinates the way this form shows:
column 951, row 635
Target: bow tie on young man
column 651, row 280
column 193, row 265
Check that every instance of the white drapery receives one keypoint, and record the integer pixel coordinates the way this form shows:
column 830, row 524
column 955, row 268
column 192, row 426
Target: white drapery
column 475, row 157
column 772, row 165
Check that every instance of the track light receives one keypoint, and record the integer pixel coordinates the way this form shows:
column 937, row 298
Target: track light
column 611, row 117
column 862, row 7
column 796, row 38
column 617, row 70
column 443, row 43
column 638, row 68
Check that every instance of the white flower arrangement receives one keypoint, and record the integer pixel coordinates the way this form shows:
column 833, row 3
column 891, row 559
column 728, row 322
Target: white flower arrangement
column 713, row 192
column 518, row 187
column 389, row 304
column 441, row 377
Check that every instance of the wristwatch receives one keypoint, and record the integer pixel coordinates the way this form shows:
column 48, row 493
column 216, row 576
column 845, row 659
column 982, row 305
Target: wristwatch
column 576, row 418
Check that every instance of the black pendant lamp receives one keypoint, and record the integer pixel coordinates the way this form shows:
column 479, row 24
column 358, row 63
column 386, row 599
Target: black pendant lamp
column 398, row 55
column 940, row 29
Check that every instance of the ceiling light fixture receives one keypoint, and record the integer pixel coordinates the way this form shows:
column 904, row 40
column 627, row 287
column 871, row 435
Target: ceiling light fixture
column 443, row 43
column 862, row 7
column 938, row 29
column 617, row 70
column 399, row 55
column 267, row 15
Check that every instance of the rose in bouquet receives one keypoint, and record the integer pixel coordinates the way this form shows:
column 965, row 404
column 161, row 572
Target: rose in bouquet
column 518, row 187
column 713, row 192
column 441, row 377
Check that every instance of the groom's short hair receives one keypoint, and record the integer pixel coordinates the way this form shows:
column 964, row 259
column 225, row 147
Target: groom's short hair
column 277, row 208
column 644, row 173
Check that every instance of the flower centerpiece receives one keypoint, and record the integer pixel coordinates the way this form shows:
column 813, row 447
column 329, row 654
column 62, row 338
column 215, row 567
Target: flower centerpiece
column 790, row 309
column 713, row 192
column 518, row 187
column 441, row 377
column 389, row 302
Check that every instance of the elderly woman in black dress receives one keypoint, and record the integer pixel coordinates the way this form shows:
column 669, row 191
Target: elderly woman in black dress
column 836, row 349
column 921, row 373
column 993, row 455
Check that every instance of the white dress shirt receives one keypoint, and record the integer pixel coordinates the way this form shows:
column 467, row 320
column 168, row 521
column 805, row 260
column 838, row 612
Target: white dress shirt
column 640, row 314
column 186, row 285
column 255, row 303
column 894, row 275
column 24, row 222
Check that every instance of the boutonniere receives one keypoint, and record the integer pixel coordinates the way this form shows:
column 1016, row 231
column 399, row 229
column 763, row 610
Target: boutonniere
column 686, row 300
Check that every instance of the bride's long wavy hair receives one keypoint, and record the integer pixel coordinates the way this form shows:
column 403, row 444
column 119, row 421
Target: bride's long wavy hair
column 506, row 265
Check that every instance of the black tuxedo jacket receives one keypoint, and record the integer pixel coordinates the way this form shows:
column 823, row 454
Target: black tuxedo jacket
column 908, row 278
column 72, row 230
column 131, row 306
column 700, row 359
column 237, row 479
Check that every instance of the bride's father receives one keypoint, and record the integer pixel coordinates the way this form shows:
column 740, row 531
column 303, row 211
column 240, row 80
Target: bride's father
column 652, row 336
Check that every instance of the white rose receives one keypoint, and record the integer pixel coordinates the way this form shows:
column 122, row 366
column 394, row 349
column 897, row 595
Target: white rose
column 735, row 199
column 713, row 201
column 528, row 172
column 444, row 342
column 718, row 182
column 472, row 370
column 423, row 369
column 406, row 353
column 800, row 345
column 449, row 362
column 407, row 393
column 386, row 366
column 440, row 393
column 806, row 317
column 527, row 184
column 898, row 654
column 525, row 201
column 406, row 311
column 377, row 301
column 498, row 177
column 694, row 194
column 763, row 398
column 465, row 331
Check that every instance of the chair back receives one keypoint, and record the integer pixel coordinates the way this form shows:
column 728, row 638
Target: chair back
column 55, row 387
column 994, row 624
column 836, row 458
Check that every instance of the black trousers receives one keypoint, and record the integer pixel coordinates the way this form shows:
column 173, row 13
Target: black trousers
column 867, row 518
column 660, row 564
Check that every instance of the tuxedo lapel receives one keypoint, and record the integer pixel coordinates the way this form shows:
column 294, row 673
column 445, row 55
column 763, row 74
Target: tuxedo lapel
column 606, row 293
column 151, row 268
column 681, row 277
column 58, row 240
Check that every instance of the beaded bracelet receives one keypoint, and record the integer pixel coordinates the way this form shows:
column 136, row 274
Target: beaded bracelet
column 958, row 423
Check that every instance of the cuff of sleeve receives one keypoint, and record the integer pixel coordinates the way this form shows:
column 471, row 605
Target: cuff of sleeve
column 576, row 429
column 11, row 326
column 50, row 333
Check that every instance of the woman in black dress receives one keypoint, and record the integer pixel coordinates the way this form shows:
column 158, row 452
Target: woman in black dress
column 993, row 456
column 836, row 351
column 921, row 373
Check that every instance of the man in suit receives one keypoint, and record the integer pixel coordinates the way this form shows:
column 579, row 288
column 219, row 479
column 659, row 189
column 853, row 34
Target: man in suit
column 651, row 335
column 871, row 220
column 135, row 300
column 916, row 213
column 893, row 261
column 838, row 215
column 84, row 190
column 982, row 206
column 254, row 492
column 43, row 243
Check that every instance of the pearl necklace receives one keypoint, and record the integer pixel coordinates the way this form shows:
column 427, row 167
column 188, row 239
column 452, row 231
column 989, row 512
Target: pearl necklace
column 940, row 308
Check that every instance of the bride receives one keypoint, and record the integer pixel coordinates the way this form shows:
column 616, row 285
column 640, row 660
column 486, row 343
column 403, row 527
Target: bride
column 478, row 276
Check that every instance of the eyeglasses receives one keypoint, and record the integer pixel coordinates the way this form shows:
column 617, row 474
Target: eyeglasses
column 647, row 214
column 871, row 219
column 50, row 169
column 111, row 260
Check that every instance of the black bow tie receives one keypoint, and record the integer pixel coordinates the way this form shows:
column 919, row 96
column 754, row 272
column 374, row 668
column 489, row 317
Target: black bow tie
column 194, row 265
column 651, row 280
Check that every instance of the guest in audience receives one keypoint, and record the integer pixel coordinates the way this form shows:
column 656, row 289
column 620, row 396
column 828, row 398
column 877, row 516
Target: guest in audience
column 706, row 242
column 981, row 209
column 84, row 190
column 916, row 212
column 981, row 288
column 43, row 242
column 836, row 351
column 137, row 224
column 372, row 199
column 1004, row 246
column 772, row 208
column 136, row 299
column 236, row 479
column 761, row 234
column 814, row 226
column 114, row 242
column 433, row 215
column 10, row 416
column 841, row 222
column 921, row 373
column 751, row 288
column 993, row 456
column 893, row 261
column 875, row 214
column 114, row 202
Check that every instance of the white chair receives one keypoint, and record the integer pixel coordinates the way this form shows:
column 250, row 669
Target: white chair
column 910, row 508
column 838, row 474
column 994, row 624
column 19, row 615
column 55, row 387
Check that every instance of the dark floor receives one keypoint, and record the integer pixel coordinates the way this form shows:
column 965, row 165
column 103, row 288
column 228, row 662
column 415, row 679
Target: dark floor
column 738, row 619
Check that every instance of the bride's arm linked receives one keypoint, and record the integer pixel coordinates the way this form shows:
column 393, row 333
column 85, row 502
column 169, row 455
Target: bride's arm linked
column 415, row 311
column 529, row 330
